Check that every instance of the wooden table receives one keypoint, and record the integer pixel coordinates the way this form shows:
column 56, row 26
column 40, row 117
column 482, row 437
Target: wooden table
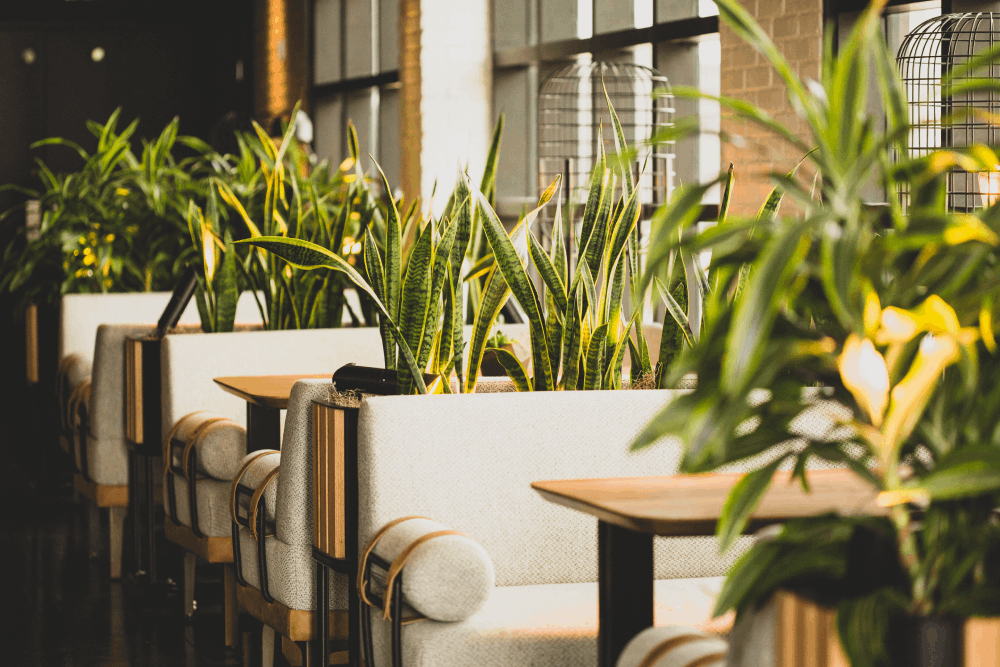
column 631, row 510
column 266, row 397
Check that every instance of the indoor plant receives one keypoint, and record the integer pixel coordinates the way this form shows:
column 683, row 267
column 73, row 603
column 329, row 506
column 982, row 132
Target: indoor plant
column 887, row 311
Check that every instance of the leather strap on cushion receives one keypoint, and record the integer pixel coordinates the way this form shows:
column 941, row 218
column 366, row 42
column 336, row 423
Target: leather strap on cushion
column 170, row 437
column 192, row 440
column 400, row 561
column 239, row 477
column 81, row 392
column 363, row 563
column 668, row 645
column 255, row 500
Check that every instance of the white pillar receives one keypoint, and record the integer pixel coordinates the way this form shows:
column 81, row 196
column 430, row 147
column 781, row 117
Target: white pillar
column 447, row 78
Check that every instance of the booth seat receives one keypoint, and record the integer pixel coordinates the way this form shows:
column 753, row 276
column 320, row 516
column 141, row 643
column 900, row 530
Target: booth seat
column 468, row 462
column 191, row 399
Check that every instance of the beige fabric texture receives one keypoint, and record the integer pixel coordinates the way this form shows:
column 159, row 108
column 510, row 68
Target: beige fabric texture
column 189, row 362
column 553, row 625
column 252, row 478
column 73, row 370
column 681, row 655
column 214, row 518
column 106, row 449
column 291, row 569
column 468, row 461
column 82, row 314
column 447, row 578
column 220, row 447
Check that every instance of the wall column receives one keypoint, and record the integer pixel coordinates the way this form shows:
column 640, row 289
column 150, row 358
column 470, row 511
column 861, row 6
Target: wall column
column 796, row 26
column 446, row 72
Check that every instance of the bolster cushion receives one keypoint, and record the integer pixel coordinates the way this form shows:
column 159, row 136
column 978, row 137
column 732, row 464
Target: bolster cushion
column 673, row 646
column 262, row 469
column 221, row 444
column 446, row 578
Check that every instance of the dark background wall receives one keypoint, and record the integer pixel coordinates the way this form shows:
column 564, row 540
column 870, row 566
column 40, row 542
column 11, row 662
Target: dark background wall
column 162, row 59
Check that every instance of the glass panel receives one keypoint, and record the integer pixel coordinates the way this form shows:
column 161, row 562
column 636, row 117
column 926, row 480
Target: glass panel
column 388, row 35
column 511, row 91
column 510, row 24
column 614, row 15
column 558, row 19
column 330, row 131
column 359, row 111
column 673, row 10
column 388, row 126
column 358, row 33
column 326, row 33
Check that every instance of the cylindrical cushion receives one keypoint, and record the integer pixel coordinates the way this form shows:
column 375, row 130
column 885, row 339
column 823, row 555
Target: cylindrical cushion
column 673, row 646
column 220, row 446
column 254, row 476
column 73, row 370
column 447, row 578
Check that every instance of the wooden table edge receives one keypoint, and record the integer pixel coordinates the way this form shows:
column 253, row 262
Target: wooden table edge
column 251, row 398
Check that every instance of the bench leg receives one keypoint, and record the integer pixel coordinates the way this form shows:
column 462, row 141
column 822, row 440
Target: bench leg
column 117, row 533
column 94, row 535
column 230, row 614
column 189, row 568
column 267, row 647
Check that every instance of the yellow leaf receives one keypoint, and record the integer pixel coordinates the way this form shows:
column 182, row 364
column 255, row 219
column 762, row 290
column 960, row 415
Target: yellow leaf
column 903, row 496
column 964, row 228
column 347, row 165
column 933, row 315
column 910, row 396
column 866, row 376
column 230, row 198
column 986, row 326
column 208, row 251
column 873, row 311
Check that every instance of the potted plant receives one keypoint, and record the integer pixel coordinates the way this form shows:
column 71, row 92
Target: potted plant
column 884, row 317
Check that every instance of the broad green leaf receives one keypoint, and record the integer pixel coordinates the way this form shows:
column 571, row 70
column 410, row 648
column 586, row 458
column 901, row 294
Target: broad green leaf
column 393, row 252
column 416, row 298
column 572, row 342
column 225, row 289
column 620, row 145
column 547, row 271
column 742, row 502
column 494, row 296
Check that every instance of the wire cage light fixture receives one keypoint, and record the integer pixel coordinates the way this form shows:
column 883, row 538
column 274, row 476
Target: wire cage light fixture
column 941, row 119
column 573, row 117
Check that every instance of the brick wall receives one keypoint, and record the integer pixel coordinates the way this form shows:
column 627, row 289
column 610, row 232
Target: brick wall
column 797, row 28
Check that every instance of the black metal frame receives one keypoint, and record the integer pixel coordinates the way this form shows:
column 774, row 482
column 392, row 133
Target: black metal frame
column 348, row 565
column 173, row 470
column 396, row 613
column 261, row 527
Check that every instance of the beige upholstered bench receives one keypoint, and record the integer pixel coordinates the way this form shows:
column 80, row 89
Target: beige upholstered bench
column 188, row 365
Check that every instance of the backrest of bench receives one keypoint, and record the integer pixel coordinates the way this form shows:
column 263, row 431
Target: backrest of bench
column 81, row 314
column 468, row 462
column 189, row 362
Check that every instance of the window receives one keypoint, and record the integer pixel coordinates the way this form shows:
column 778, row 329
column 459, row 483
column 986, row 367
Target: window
column 533, row 38
column 355, row 77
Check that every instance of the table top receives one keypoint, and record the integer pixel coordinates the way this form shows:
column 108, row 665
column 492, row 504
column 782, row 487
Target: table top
column 267, row 391
column 691, row 504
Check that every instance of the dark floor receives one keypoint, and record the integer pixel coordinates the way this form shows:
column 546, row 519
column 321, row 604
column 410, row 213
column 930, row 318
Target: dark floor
column 59, row 606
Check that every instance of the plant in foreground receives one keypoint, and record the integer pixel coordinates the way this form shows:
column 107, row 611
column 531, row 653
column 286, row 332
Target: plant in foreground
column 882, row 319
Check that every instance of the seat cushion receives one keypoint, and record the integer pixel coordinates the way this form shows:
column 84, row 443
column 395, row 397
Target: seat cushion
column 221, row 443
column 545, row 625
column 254, row 476
column 213, row 505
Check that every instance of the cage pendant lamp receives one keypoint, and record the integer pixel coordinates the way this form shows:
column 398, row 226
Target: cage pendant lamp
column 573, row 114
column 935, row 49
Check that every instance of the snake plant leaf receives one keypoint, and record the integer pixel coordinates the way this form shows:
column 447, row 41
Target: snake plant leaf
column 696, row 291
column 204, row 312
column 595, row 359
column 515, row 370
column 613, row 317
column 620, row 146
column 393, row 252
column 596, row 195
column 593, row 251
column 620, row 231
column 446, row 340
column 613, row 374
column 481, row 267
column 230, row 198
column 305, row 255
column 463, row 233
column 548, row 272
column 676, row 312
column 439, row 276
column 416, row 300
column 208, row 252
column 488, row 183
column 587, row 282
column 742, row 501
column 557, row 254
column 510, row 265
column 493, row 298
column 225, row 289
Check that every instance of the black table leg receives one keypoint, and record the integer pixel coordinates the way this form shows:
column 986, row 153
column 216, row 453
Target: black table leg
column 322, row 616
column 625, row 589
column 263, row 428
